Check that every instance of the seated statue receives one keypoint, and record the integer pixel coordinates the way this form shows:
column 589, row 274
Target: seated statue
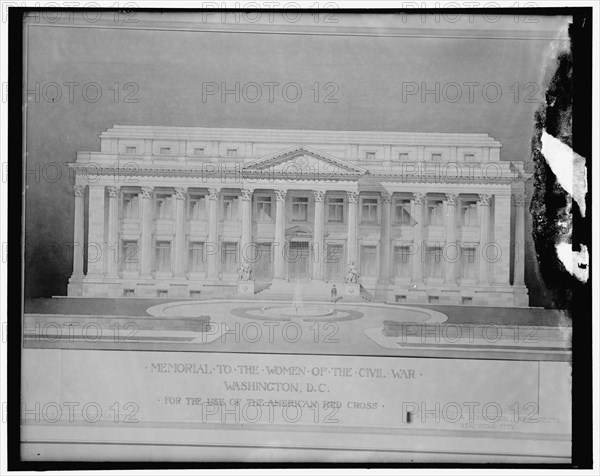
column 352, row 274
column 245, row 272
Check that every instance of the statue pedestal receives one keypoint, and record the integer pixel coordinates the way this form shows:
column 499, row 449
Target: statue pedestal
column 245, row 288
column 352, row 291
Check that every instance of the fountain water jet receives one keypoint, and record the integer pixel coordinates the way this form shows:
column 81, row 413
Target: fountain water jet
column 297, row 300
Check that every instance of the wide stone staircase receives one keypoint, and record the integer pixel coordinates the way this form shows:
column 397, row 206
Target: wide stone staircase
column 296, row 290
column 307, row 291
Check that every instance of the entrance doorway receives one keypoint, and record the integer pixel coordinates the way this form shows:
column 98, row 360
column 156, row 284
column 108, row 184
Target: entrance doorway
column 298, row 259
column 334, row 262
column 262, row 266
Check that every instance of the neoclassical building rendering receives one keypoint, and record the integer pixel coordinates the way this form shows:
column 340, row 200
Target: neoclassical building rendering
column 198, row 212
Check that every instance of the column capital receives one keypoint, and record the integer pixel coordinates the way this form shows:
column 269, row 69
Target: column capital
column 319, row 195
column 418, row 198
column 280, row 195
column 451, row 198
column 147, row 192
column 484, row 199
column 519, row 200
column 113, row 192
column 213, row 193
column 79, row 190
column 246, row 194
column 385, row 197
column 352, row 196
column 180, row 193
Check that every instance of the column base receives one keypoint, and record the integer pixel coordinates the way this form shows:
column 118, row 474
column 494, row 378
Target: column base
column 521, row 295
column 75, row 286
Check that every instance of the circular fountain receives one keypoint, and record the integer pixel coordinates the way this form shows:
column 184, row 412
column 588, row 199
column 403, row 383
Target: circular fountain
column 297, row 311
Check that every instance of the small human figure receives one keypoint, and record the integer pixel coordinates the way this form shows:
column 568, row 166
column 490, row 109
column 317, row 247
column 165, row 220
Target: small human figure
column 334, row 294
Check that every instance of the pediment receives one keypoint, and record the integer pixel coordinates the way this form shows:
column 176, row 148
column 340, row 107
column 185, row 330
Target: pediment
column 298, row 231
column 304, row 160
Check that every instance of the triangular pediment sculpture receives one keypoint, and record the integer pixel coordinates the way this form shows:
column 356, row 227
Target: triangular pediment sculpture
column 303, row 160
column 298, row 231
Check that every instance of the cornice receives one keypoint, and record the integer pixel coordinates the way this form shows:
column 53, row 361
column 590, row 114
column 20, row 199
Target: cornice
column 299, row 136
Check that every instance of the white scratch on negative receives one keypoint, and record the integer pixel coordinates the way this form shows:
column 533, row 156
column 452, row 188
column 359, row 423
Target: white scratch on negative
column 568, row 166
column 576, row 262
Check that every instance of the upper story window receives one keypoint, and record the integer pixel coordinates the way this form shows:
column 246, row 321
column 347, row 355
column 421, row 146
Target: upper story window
column 299, row 209
column 468, row 214
column 403, row 156
column 197, row 207
column 232, row 152
column 469, row 157
column 230, row 207
column 165, row 151
column 263, row 209
column 199, row 151
column 336, row 210
column 130, row 205
column 435, row 213
column 130, row 149
column 163, row 206
column 370, row 155
column 369, row 210
column 436, row 157
column 402, row 214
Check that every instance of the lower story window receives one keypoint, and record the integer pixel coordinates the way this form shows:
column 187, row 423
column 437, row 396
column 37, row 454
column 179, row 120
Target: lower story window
column 468, row 265
column 402, row 261
column 163, row 256
column 368, row 260
column 434, row 264
column 129, row 255
column 196, row 258
column 229, row 258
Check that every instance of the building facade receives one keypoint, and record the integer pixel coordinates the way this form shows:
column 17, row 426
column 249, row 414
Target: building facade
column 179, row 211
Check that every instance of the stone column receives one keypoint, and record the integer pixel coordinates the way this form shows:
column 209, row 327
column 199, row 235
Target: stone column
column 113, row 247
column 417, row 270
column 484, row 239
column 179, row 240
column 246, row 238
column 318, row 251
column 352, row 231
column 214, row 250
column 452, row 254
column 78, row 232
column 519, row 265
column 386, row 237
column 145, row 256
column 96, row 242
column 279, row 250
